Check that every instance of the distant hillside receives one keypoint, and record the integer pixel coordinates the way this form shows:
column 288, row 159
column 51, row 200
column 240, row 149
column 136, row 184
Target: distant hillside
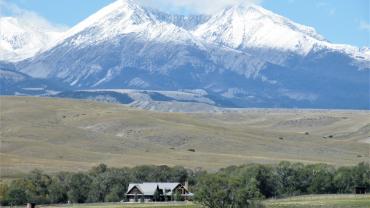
column 56, row 134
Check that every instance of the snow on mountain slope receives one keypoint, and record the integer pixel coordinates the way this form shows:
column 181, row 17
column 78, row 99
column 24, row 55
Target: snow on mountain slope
column 360, row 56
column 21, row 39
column 251, row 26
column 273, row 37
column 125, row 17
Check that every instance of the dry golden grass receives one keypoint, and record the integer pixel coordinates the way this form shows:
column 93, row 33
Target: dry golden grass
column 71, row 135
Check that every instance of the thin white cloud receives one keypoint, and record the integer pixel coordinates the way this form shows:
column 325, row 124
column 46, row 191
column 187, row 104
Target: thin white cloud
column 194, row 6
column 31, row 18
column 365, row 26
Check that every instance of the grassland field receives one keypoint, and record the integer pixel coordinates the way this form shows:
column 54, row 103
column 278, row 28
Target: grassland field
column 74, row 135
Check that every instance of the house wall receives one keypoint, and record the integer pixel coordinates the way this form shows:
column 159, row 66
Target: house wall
column 140, row 198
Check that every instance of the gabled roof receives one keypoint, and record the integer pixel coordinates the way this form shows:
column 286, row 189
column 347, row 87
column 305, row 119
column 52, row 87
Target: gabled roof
column 149, row 188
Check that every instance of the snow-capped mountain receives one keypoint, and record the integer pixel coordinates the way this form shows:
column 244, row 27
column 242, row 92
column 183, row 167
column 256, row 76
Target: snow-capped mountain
column 272, row 37
column 125, row 45
column 244, row 56
column 21, row 38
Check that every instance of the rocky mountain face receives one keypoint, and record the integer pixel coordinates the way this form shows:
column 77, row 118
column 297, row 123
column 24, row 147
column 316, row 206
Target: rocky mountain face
column 244, row 56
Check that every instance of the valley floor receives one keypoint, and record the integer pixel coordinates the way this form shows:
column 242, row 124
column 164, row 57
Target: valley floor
column 72, row 135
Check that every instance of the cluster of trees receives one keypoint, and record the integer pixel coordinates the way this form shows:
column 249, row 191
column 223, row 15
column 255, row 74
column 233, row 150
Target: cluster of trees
column 100, row 184
column 244, row 186
column 235, row 186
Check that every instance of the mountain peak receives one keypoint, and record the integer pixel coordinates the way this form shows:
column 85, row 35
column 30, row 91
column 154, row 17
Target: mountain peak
column 249, row 27
column 119, row 17
column 127, row 4
column 247, row 7
column 253, row 12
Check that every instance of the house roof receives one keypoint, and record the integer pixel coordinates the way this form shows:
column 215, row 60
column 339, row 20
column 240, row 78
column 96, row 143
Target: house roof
column 149, row 188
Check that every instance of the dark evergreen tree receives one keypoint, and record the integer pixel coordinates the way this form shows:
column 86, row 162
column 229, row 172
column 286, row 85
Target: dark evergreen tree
column 157, row 194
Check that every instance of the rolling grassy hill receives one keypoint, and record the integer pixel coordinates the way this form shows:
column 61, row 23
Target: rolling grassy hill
column 72, row 135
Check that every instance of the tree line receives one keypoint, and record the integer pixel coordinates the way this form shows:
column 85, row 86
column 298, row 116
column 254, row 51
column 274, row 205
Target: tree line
column 234, row 186
column 100, row 184
column 243, row 186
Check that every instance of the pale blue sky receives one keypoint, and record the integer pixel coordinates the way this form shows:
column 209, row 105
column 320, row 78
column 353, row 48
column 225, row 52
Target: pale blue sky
column 340, row 21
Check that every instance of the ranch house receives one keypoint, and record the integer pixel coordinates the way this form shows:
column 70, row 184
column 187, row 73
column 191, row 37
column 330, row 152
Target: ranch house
column 147, row 192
